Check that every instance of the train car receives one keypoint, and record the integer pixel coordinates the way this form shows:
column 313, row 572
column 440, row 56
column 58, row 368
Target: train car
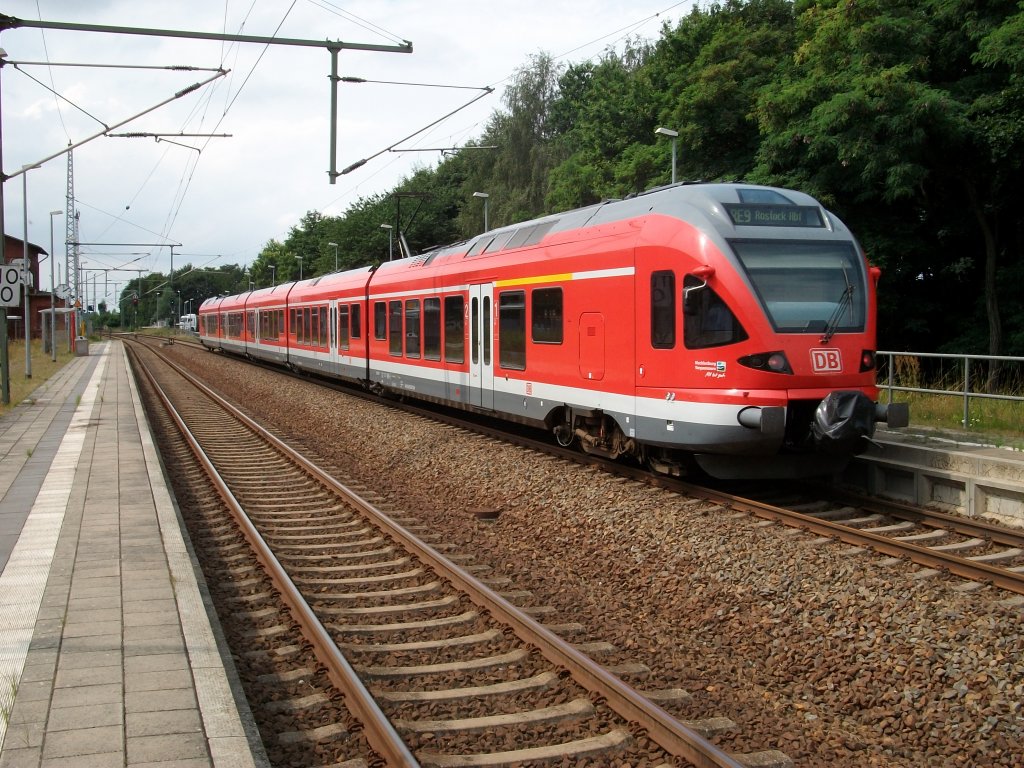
column 234, row 323
column 325, row 324
column 210, row 329
column 727, row 325
column 267, row 311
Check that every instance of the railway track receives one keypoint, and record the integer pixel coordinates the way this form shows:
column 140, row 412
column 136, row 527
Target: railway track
column 979, row 552
column 435, row 666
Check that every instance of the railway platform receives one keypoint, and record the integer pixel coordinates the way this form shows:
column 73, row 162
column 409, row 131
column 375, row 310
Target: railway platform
column 108, row 654
column 958, row 473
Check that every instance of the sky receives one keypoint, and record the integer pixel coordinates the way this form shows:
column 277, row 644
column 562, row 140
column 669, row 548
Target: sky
column 262, row 160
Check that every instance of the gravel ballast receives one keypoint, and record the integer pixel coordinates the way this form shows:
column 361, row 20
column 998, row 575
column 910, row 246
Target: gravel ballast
column 830, row 654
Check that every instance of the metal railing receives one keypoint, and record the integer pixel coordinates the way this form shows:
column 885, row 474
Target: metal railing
column 989, row 368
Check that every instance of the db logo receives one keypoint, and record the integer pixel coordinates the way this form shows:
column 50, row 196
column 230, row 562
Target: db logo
column 826, row 360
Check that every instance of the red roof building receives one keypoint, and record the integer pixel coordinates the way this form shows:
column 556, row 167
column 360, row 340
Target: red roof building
column 39, row 300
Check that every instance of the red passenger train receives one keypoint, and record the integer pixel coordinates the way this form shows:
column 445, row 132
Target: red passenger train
column 727, row 325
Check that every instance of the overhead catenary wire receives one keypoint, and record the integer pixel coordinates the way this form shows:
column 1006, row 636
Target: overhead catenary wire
column 359, row 163
column 212, row 110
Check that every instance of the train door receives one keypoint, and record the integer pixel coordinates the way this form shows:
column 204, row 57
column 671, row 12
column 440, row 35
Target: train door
column 481, row 343
column 334, row 354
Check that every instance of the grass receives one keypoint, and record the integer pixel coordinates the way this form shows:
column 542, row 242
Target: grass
column 42, row 369
column 998, row 421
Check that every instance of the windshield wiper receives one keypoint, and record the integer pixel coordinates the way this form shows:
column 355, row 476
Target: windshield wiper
column 845, row 302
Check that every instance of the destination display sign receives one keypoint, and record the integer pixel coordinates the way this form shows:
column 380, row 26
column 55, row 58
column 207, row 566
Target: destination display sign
column 770, row 215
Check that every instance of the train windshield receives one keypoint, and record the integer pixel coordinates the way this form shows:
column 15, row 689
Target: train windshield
column 807, row 286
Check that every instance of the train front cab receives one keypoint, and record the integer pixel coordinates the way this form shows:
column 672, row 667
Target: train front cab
column 759, row 354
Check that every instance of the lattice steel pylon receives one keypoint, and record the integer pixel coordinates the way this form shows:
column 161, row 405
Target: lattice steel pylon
column 71, row 240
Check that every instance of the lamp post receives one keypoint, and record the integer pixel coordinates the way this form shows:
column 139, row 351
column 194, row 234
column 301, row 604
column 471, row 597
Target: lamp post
column 335, row 247
column 273, row 275
column 485, row 198
column 673, row 135
column 299, row 259
column 27, row 314
column 53, row 319
column 391, row 240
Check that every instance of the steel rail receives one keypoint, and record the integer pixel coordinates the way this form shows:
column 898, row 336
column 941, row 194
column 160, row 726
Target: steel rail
column 963, row 567
column 667, row 731
column 934, row 519
column 968, row 569
column 379, row 731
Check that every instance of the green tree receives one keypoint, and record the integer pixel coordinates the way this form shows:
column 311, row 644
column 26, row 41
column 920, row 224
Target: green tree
column 888, row 114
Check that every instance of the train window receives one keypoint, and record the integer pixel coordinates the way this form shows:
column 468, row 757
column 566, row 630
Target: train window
column 234, row 325
column 663, row 309
column 454, row 329
column 293, row 323
column 474, row 329
column 512, row 330
column 343, row 326
column 357, row 326
column 412, row 328
column 324, row 327
column 763, row 197
column 807, row 286
column 546, row 315
column 380, row 320
column 432, row 329
column 707, row 320
column 250, row 323
column 487, row 330
column 307, row 325
column 395, row 327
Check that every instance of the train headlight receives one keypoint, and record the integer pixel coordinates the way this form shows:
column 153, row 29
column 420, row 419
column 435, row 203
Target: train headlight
column 867, row 360
column 774, row 362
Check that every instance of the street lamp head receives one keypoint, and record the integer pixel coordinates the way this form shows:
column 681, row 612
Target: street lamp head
column 666, row 132
column 56, row 213
column 333, row 245
column 481, row 194
column 386, row 226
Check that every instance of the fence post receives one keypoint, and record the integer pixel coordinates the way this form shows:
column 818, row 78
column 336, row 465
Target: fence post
column 967, row 389
column 892, row 374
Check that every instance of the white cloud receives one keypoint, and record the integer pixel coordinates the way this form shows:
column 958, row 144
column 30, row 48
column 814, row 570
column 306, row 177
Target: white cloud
column 242, row 191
